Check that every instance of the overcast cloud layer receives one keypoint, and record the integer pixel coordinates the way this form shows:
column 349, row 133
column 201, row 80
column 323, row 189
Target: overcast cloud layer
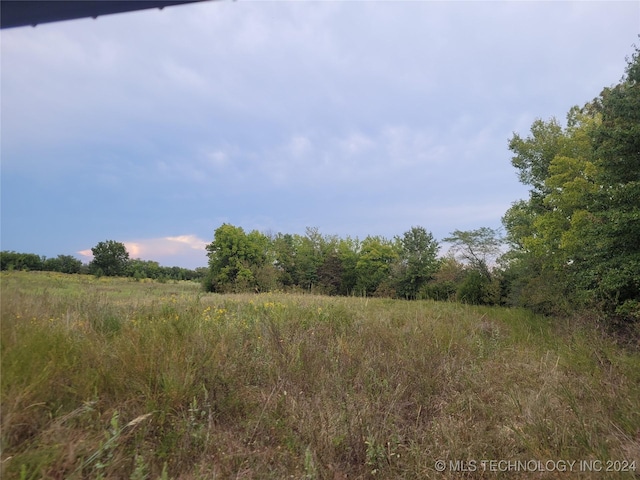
column 155, row 127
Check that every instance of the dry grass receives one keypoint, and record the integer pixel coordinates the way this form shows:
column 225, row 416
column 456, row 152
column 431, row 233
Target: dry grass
column 116, row 379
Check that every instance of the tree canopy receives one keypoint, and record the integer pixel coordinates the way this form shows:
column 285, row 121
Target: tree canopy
column 321, row 263
column 110, row 258
column 578, row 234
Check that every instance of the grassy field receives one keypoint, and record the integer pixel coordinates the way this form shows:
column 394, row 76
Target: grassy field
column 111, row 378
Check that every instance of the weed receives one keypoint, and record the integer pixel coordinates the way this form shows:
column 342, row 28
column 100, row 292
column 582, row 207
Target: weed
column 281, row 385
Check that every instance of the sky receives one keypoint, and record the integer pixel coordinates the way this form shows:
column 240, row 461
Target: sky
column 153, row 128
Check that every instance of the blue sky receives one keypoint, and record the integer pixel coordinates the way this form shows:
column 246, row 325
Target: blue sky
column 360, row 118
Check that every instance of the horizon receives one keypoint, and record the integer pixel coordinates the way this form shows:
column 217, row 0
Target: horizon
column 355, row 118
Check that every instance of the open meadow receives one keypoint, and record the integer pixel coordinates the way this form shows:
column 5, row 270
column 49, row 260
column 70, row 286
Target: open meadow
column 113, row 378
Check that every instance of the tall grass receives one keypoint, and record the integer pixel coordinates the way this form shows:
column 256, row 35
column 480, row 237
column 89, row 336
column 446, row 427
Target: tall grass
column 108, row 378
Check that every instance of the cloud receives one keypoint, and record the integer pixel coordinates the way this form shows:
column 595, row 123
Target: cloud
column 184, row 250
column 356, row 117
column 87, row 254
column 190, row 241
column 166, row 247
column 313, row 160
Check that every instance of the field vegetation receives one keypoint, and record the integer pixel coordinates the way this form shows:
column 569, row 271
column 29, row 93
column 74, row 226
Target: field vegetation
column 106, row 377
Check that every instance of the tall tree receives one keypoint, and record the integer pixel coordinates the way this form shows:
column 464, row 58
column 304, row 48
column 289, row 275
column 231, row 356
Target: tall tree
column 577, row 238
column 373, row 268
column 310, row 255
column 348, row 252
column 477, row 248
column 418, row 252
column 543, row 229
column 234, row 258
column 614, row 271
column 533, row 154
column 110, row 258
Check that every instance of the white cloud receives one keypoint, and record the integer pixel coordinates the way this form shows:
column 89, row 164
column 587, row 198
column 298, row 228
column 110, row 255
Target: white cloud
column 86, row 254
column 183, row 250
column 191, row 241
column 384, row 114
column 154, row 248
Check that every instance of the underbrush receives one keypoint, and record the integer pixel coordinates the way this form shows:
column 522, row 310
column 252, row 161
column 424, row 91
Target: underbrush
column 119, row 379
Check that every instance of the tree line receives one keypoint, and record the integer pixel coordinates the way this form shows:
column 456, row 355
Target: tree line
column 110, row 259
column 406, row 266
column 10, row 260
column 572, row 245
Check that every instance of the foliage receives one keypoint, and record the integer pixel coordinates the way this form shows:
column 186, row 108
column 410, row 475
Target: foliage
column 234, row 258
column 473, row 288
column 10, row 260
column 110, row 258
column 444, row 284
column 309, row 256
column 373, row 268
column 136, row 268
column 612, row 231
column 575, row 239
column 534, row 154
column 62, row 264
column 284, row 247
column 348, row 250
column 418, row 261
column 321, row 263
column 477, row 248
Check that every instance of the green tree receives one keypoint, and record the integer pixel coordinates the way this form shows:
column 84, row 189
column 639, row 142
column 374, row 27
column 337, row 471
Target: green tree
column 10, row 260
column 417, row 262
column 348, row 252
column 473, row 288
column 576, row 239
column 533, row 154
column 373, row 268
column 110, row 258
column 62, row 264
column 330, row 273
column 476, row 248
column 262, row 261
column 144, row 269
column 234, row 259
column 445, row 281
column 541, row 230
column 309, row 255
column 612, row 239
column 284, row 249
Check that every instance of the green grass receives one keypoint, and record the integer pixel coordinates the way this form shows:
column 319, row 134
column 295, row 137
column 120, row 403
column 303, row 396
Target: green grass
column 111, row 378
